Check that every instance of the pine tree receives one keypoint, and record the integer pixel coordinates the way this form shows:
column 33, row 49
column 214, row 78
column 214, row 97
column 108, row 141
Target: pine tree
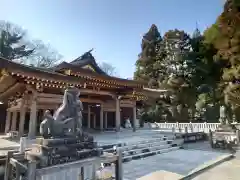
column 11, row 45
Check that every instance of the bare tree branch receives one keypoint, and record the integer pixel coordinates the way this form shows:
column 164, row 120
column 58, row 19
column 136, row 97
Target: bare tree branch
column 108, row 69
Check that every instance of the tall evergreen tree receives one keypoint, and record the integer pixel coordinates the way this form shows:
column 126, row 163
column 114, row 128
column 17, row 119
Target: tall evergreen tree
column 147, row 70
column 162, row 63
column 205, row 74
column 145, row 63
column 225, row 36
column 176, row 45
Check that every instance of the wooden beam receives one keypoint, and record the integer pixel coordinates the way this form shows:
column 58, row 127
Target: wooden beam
column 56, row 98
column 59, row 100
column 46, row 95
column 127, row 105
column 12, row 90
column 91, row 100
column 109, row 109
column 89, row 91
column 82, row 91
column 6, row 81
column 49, row 100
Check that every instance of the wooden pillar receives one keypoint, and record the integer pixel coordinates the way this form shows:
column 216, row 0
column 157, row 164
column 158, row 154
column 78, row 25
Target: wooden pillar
column 33, row 119
column 106, row 120
column 8, row 121
column 94, row 121
column 101, row 118
column 134, row 118
column 89, row 116
column 22, row 121
column 118, row 123
column 14, row 121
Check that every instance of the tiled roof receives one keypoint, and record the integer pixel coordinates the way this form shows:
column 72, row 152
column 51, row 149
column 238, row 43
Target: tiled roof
column 54, row 74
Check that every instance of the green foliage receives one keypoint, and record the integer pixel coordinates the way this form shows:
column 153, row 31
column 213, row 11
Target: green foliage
column 166, row 67
column 225, row 37
column 200, row 72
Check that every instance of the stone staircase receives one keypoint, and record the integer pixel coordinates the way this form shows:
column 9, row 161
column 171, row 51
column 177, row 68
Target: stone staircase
column 145, row 148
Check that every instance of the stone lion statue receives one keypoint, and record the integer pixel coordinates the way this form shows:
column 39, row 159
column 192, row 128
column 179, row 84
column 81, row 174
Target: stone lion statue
column 67, row 120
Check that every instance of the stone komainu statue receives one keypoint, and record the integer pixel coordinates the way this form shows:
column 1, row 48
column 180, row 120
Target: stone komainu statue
column 67, row 120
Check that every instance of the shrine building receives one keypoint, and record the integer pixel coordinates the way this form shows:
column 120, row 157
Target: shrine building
column 29, row 91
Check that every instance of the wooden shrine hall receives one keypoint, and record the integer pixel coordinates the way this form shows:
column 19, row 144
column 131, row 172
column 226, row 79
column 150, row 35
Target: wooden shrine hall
column 29, row 91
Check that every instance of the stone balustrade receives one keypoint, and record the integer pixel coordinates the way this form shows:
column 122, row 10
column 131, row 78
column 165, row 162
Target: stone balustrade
column 182, row 127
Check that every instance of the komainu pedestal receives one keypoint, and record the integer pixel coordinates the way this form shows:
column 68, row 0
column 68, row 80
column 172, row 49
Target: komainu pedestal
column 50, row 152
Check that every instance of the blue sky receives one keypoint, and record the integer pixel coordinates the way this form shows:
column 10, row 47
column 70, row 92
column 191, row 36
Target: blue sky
column 114, row 28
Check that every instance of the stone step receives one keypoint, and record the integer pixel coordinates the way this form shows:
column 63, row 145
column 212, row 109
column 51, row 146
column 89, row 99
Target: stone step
column 147, row 154
column 146, row 145
column 150, row 140
column 146, row 149
column 139, row 144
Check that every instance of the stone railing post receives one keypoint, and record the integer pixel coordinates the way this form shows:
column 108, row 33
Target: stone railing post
column 173, row 130
column 191, row 127
column 186, row 129
column 23, row 144
column 210, row 138
column 118, row 166
column 238, row 136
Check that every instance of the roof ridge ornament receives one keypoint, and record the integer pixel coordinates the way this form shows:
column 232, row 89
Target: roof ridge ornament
column 87, row 54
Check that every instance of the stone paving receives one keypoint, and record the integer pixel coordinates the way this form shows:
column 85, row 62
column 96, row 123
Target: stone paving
column 126, row 136
column 228, row 170
column 203, row 146
column 180, row 162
